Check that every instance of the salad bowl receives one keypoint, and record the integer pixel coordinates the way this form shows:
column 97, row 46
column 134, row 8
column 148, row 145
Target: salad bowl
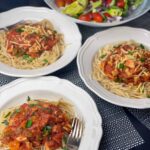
column 117, row 20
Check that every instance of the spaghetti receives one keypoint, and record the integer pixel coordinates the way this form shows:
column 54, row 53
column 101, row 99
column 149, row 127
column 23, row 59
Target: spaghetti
column 124, row 69
column 30, row 45
column 36, row 123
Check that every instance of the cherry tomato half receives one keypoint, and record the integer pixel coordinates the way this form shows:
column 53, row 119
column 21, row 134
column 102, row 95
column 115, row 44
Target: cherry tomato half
column 69, row 1
column 86, row 17
column 121, row 3
column 108, row 2
column 107, row 15
column 60, row 3
column 97, row 17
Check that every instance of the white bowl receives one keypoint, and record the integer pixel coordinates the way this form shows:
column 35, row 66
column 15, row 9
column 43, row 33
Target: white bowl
column 51, row 88
column 135, row 14
column 91, row 47
column 70, row 30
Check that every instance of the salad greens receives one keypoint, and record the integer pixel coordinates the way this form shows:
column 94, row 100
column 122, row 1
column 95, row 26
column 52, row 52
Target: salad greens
column 98, row 10
column 76, row 8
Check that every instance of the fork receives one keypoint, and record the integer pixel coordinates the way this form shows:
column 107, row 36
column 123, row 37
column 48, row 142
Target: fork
column 75, row 136
column 10, row 26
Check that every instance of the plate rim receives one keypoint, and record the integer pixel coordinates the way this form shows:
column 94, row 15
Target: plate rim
column 47, row 71
column 86, row 82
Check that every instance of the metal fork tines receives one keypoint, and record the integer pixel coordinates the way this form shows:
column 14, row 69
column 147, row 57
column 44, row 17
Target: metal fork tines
column 75, row 136
column 12, row 25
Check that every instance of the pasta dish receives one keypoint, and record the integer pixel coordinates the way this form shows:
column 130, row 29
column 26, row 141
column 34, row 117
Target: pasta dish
column 124, row 69
column 36, row 123
column 29, row 45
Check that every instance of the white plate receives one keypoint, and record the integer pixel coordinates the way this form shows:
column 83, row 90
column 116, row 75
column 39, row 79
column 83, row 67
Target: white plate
column 70, row 30
column 51, row 88
column 135, row 14
column 91, row 47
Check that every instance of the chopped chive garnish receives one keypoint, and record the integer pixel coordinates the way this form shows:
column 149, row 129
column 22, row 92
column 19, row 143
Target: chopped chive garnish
column 65, row 139
column 103, row 55
column 8, row 114
column 54, row 31
column 19, row 30
column 32, row 105
column 15, row 112
column 44, row 37
column 121, row 66
column 142, row 46
column 45, row 61
column 130, row 52
column 5, row 122
column 26, row 56
column 142, row 59
column 29, row 123
column 28, row 98
column 30, row 60
column 47, row 130
column 119, row 80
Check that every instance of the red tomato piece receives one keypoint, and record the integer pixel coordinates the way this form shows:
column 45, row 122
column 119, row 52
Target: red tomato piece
column 60, row 3
column 97, row 17
column 107, row 15
column 68, row 1
column 86, row 17
column 108, row 2
column 121, row 3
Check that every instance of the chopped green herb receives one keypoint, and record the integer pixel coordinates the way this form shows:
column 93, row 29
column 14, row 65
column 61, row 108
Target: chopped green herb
column 44, row 37
column 142, row 59
column 5, row 122
column 65, row 148
column 130, row 52
column 121, row 66
column 119, row 80
column 15, row 112
column 28, row 98
column 46, row 130
column 148, row 96
column 103, row 55
column 45, row 61
column 8, row 114
column 54, row 31
column 32, row 105
column 65, row 139
column 26, row 56
column 19, row 30
column 30, row 60
column 142, row 46
column 64, row 142
column 29, row 123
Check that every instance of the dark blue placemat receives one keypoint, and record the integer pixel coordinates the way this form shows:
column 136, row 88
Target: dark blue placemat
column 119, row 133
